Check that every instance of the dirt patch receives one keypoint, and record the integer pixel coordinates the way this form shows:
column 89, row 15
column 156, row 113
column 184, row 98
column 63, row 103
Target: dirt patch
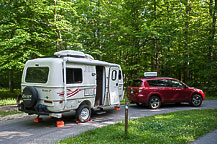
column 7, row 108
column 14, row 116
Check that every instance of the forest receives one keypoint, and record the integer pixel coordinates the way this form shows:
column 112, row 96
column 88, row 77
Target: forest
column 174, row 38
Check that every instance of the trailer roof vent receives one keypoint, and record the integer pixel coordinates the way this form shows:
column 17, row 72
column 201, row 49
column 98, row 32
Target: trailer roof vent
column 70, row 53
column 89, row 57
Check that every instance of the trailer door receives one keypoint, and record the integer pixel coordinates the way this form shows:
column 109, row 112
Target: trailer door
column 113, row 85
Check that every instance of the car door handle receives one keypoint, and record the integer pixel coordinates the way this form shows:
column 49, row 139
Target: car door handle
column 178, row 89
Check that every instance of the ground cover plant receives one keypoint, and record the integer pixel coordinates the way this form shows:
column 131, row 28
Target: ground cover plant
column 209, row 97
column 171, row 128
column 5, row 113
column 7, row 98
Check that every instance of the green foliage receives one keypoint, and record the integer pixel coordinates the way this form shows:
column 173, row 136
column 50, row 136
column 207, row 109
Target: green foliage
column 5, row 93
column 8, row 101
column 5, row 113
column 7, row 98
column 176, row 128
column 175, row 38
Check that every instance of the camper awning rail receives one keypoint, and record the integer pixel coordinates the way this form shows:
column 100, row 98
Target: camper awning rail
column 89, row 62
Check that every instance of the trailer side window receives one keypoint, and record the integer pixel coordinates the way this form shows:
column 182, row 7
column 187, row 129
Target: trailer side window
column 73, row 75
column 114, row 75
column 119, row 75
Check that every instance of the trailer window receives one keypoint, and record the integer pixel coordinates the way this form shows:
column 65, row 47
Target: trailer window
column 73, row 75
column 119, row 75
column 114, row 75
column 37, row 74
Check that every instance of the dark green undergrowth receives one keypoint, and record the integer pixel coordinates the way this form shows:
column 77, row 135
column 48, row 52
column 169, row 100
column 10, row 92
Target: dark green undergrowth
column 211, row 97
column 4, row 113
column 171, row 128
column 7, row 98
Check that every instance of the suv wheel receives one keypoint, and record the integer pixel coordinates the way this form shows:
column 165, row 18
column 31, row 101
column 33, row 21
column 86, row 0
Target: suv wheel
column 83, row 113
column 196, row 100
column 154, row 102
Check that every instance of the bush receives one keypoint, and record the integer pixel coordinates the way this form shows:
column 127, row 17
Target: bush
column 8, row 98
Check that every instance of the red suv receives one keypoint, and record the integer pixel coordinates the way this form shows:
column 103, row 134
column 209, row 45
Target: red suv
column 157, row 90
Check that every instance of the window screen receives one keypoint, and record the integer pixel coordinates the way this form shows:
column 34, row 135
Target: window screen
column 37, row 74
column 73, row 75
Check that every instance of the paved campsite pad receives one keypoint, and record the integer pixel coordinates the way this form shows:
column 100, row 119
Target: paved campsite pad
column 26, row 131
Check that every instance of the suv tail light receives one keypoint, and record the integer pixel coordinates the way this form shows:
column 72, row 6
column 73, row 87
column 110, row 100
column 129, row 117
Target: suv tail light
column 140, row 90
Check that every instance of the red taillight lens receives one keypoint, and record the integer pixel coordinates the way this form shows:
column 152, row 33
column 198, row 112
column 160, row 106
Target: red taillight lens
column 46, row 101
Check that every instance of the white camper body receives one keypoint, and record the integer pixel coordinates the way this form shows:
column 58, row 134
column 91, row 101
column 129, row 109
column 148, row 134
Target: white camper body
column 69, row 81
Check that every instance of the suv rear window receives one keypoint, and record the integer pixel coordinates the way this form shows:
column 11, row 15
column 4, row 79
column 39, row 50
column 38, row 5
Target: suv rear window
column 37, row 74
column 136, row 83
column 158, row 83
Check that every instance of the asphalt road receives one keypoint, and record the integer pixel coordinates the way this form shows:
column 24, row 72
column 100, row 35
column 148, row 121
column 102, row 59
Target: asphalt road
column 22, row 131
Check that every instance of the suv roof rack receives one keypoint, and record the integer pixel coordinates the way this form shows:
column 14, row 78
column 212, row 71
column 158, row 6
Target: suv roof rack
column 151, row 77
column 150, row 74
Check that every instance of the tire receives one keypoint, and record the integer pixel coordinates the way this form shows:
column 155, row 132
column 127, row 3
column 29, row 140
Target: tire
column 83, row 113
column 196, row 100
column 154, row 102
column 30, row 96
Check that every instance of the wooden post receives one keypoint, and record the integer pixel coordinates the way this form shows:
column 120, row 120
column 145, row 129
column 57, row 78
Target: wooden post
column 126, row 116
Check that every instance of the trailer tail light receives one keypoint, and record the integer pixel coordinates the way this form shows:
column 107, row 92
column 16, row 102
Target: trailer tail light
column 61, row 101
column 46, row 101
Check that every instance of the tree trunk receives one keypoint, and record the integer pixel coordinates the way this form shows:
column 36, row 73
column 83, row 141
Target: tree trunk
column 98, row 32
column 57, row 30
column 156, row 56
column 212, row 34
column 212, row 11
column 11, row 81
column 187, row 64
column 155, row 42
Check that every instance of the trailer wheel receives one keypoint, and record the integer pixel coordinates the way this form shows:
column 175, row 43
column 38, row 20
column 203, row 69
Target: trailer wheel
column 83, row 113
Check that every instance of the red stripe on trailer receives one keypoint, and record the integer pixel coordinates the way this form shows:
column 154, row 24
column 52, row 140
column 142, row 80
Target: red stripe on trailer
column 70, row 93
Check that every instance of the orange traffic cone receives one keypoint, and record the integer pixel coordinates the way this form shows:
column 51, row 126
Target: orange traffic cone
column 60, row 123
column 38, row 119
column 117, row 108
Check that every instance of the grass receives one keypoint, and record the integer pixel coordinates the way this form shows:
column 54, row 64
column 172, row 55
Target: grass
column 7, row 98
column 4, row 113
column 211, row 98
column 8, row 101
column 171, row 128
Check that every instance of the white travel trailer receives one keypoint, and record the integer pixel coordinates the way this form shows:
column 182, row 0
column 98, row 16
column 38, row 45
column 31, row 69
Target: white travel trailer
column 70, row 80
